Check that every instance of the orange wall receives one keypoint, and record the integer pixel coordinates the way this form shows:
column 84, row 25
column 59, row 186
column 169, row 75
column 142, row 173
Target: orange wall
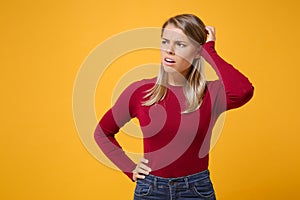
column 43, row 45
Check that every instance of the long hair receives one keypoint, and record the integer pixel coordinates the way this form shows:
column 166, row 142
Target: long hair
column 195, row 85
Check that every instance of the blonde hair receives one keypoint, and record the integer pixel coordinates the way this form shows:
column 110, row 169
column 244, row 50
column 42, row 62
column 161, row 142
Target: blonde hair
column 195, row 85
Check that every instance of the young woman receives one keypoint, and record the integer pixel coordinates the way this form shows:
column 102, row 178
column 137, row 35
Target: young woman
column 176, row 111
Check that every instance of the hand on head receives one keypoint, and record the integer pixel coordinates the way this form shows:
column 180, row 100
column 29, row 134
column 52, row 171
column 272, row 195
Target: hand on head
column 211, row 33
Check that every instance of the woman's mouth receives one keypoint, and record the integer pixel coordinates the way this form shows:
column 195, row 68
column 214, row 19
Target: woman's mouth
column 169, row 61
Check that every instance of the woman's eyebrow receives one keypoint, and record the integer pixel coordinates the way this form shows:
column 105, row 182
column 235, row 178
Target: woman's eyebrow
column 175, row 40
column 183, row 41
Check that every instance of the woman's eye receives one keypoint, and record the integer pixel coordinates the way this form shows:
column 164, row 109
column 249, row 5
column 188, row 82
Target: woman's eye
column 181, row 45
column 164, row 42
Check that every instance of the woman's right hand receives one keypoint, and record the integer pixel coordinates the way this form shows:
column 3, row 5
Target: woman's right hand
column 211, row 33
column 141, row 170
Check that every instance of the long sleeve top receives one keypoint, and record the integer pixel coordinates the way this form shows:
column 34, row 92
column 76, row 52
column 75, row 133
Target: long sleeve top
column 175, row 144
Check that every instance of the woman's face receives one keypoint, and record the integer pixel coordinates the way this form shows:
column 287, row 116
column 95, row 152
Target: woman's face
column 177, row 51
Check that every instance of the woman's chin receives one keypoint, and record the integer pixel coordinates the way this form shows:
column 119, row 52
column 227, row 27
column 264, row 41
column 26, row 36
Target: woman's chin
column 169, row 69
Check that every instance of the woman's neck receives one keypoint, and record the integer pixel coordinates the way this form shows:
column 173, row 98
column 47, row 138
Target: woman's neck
column 177, row 79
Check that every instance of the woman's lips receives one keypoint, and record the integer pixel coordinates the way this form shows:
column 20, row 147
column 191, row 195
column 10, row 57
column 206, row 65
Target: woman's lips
column 169, row 61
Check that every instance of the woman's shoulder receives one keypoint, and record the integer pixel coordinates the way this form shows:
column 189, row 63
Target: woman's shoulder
column 213, row 83
column 140, row 86
column 148, row 80
column 143, row 83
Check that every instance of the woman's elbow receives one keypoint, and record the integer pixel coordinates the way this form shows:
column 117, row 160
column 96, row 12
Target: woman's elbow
column 246, row 94
column 238, row 99
column 99, row 135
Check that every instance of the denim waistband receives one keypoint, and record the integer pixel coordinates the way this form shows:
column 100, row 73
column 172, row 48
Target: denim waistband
column 184, row 180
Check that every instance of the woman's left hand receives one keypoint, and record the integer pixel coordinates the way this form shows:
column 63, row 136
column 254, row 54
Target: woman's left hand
column 211, row 33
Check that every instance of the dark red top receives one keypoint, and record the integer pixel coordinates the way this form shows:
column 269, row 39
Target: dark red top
column 175, row 144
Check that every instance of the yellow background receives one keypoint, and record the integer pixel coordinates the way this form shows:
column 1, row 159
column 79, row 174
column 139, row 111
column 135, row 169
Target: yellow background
column 43, row 44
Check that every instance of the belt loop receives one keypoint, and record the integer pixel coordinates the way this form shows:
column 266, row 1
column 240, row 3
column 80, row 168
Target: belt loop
column 155, row 183
column 186, row 182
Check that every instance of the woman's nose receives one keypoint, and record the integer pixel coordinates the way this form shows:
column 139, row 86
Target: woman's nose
column 170, row 51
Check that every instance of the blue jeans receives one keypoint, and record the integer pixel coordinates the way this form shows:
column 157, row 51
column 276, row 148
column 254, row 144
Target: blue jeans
column 196, row 186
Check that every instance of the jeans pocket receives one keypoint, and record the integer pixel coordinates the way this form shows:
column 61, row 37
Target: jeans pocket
column 142, row 189
column 204, row 189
